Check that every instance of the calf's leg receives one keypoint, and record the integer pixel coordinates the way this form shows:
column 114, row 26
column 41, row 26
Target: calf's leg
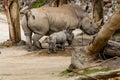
column 63, row 46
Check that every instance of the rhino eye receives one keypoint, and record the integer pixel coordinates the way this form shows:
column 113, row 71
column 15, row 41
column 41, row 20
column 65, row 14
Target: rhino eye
column 90, row 22
column 22, row 3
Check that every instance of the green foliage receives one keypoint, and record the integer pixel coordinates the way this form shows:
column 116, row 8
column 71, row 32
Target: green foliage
column 89, row 71
column 37, row 4
column 65, row 72
column 85, row 72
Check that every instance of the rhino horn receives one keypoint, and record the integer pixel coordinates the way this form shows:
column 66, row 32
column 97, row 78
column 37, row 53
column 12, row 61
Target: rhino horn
column 99, row 23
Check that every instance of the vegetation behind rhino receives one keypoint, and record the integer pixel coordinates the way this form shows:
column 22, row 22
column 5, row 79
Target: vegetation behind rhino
column 46, row 20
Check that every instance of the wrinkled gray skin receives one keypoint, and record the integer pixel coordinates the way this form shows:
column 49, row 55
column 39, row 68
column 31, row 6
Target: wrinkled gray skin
column 46, row 20
column 58, row 40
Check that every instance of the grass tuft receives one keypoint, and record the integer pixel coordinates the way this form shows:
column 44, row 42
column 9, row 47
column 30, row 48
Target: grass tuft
column 65, row 72
column 89, row 71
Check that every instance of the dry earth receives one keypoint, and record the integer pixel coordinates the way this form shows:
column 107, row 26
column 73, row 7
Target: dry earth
column 18, row 64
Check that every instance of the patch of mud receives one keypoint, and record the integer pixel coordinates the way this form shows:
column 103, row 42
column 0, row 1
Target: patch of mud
column 44, row 52
column 16, row 63
column 22, row 51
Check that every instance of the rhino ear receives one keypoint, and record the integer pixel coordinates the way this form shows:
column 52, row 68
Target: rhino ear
column 68, row 28
column 46, row 40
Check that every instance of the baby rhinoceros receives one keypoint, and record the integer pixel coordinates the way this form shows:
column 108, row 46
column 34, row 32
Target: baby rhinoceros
column 58, row 40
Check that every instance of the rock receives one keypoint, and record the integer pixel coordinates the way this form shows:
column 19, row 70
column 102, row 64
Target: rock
column 7, row 43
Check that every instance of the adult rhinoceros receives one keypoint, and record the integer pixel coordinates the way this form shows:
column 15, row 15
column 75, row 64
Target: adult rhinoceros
column 46, row 20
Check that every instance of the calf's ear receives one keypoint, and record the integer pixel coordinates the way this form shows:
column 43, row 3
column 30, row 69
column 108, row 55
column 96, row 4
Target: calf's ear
column 68, row 28
column 71, row 30
column 45, row 40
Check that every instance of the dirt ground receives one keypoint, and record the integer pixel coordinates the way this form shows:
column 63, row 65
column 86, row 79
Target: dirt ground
column 18, row 64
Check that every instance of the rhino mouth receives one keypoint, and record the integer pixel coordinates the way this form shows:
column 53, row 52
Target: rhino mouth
column 89, row 31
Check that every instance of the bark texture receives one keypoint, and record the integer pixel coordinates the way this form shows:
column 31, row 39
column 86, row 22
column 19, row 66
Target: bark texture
column 12, row 13
column 97, row 10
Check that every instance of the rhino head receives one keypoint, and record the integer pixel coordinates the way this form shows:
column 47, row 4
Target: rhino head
column 88, row 26
column 69, row 35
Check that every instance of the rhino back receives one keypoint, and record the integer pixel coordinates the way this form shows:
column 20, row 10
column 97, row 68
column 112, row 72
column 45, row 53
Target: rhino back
column 54, row 19
column 61, row 17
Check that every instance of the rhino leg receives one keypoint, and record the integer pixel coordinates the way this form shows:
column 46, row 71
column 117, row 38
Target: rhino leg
column 36, row 44
column 54, row 48
column 50, row 50
column 69, row 42
column 29, row 41
column 28, row 36
column 63, row 46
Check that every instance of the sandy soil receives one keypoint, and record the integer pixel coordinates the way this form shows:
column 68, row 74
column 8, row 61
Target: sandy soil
column 16, row 63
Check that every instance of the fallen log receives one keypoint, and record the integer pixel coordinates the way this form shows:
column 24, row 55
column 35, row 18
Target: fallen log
column 112, row 48
column 100, row 75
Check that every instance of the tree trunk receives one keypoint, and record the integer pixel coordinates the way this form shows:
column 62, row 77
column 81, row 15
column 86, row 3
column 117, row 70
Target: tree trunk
column 97, row 10
column 86, row 56
column 12, row 13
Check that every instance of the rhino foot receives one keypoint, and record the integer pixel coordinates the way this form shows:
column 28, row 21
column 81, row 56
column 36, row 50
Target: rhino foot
column 33, row 48
column 21, row 43
column 62, row 49
column 49, row 52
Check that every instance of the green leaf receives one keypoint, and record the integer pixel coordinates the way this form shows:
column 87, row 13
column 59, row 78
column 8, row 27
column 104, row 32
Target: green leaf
column 37, row 4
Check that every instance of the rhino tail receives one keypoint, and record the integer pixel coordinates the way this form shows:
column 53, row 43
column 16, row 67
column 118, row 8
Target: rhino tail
column 26, row 16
